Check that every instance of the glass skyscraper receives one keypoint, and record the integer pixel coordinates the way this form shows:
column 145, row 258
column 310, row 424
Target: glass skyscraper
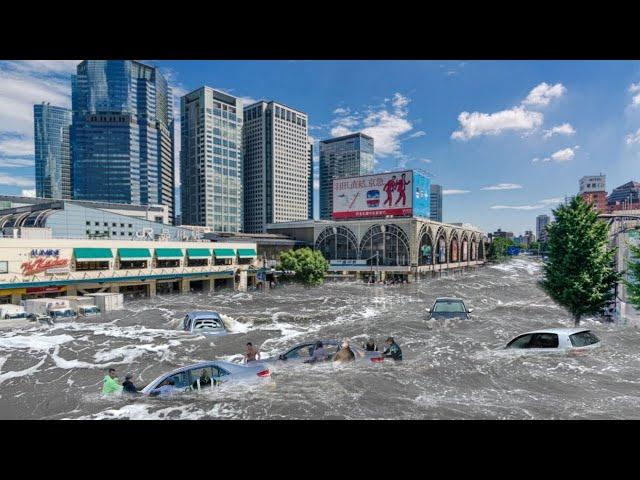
column 435, row 198
column 211, row 160
column 122, row 134
column 52, row 128
column 346, row 156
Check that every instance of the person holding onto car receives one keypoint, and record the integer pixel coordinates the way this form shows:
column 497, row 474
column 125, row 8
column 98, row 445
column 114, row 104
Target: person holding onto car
column 128, row 386
column 344, row 354
column 393, row 349
column 319, row 354
column 109, row 383
column 251, row 354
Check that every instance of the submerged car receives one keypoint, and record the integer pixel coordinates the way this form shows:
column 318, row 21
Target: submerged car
column 188, row 378
column 41, row 318
column 556, row 340
column 208, row 323
column 304, row 351
column 448, row 308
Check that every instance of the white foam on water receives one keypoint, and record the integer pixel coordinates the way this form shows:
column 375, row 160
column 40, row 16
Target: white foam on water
column 22, row 373
column 234, row 326
column 34, row 342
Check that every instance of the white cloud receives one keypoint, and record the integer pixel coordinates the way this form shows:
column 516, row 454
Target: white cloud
column 16, row 181
column 477, row 123
column 248, row 101
column 386, row 125
column 633, row 138
column 16, row 146
column 16, row 162
column 418, row 134
column 426, row 160
column 564, row 129
column 45, row 66
column 503, row 186
column 341, row 111
column 635, row 102
column 454, row 192
column 28, row 193
column 563, row 155
column 544, row 93
column 535, row 160
column 539, row 204
column 634, row 87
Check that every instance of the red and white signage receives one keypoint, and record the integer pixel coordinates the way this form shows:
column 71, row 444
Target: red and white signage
column 373, row 195
column 42, row 264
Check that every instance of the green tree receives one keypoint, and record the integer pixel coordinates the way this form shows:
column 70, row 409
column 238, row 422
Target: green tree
column 580, row 274
column 633, row 281
column 498, row 248
column 309, row 265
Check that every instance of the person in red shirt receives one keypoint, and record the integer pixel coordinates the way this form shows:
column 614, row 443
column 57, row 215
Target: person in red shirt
column 389, row 188
column 401, row 185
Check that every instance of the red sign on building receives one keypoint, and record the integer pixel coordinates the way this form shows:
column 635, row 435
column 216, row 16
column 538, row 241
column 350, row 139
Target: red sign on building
column 42, row 264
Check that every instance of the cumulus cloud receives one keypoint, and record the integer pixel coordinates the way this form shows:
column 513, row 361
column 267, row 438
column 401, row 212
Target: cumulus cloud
column 28, row 193
column 16, row 181
column 633, row 138
column 477, row 123
column 16, row 162
column 341, row 111
column 564, row 155
column 16, row 145
column 564, row 129
column 454, row 192
column 542, row 94
column 503, row 186
column 418, row 134
column 387, row 124
column 547, row 202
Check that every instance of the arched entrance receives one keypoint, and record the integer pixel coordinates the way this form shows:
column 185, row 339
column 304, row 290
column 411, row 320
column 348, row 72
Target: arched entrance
column 425, row 249
column 385, row 245
column 337, row 243
column 453, row 250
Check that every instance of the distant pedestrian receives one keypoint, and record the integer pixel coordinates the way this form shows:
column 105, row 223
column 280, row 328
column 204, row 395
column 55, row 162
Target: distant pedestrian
column 393, row 349
column 110, row 384
column 251, row 354
column 128, row 386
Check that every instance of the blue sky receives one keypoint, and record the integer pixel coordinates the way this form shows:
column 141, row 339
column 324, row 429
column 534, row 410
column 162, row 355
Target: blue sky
column 505, row 139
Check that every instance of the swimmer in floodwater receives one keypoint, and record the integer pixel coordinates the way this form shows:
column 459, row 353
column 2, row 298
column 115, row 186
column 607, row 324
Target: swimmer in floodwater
column 344, row 354
column 371, row 346
column 251, row 354
column 128, row 386
column 393, row 349
column 319, row 354
column 109, row 383
column 168, row 388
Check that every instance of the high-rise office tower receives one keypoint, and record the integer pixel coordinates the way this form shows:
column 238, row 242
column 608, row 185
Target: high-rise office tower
column 435, row 197
column 346, row 156
column 211, row 160
column 52, row 130
column 278, row 169
column 541, row 227
column 310, row 211
column 122, row 134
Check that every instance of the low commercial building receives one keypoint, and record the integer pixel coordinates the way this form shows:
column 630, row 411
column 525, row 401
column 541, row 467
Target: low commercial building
column 32, row 268
column 269, row 245
column 409, row 247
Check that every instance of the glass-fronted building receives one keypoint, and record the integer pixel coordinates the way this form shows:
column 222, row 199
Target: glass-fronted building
column 436, row 203
column 122, row 134
column 347, row 156
column 52, row 129
column 211, row 160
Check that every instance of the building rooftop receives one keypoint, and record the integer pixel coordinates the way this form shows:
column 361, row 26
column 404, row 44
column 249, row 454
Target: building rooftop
column 346, row 137
column 85, row 203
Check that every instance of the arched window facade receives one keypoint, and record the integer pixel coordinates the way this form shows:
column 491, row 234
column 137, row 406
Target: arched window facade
column 389, row 242
column 464, row 256
column 442, row 250
column 425, row 250
column 453, row 251
column 337, row 243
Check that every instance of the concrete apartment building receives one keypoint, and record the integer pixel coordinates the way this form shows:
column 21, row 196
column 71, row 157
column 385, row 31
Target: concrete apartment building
column 593, row 190
column 278, row 165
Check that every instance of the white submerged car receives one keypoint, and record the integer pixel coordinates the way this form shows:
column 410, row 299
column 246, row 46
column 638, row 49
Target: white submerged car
column 556, row 340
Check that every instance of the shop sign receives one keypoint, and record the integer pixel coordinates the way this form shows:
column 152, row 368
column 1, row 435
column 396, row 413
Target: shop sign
column 42, row 252
column 42, row 264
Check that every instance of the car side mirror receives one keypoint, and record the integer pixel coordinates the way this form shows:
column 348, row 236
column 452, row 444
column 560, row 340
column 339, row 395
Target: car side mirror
column 282, row 357
column 428, row 310
column 470, row 310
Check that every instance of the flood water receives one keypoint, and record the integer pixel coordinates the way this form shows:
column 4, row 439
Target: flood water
column 451, row 370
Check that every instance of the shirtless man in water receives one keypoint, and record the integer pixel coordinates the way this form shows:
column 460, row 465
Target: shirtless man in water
column 251, row 354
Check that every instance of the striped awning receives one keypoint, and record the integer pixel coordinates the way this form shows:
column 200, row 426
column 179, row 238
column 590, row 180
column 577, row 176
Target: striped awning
column 224, row 252
column 92, row 254
column 134, row 253
column 169, row 253
column 198, row 252
column 247, row 253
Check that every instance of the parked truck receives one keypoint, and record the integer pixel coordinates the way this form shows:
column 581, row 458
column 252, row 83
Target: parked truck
column 107, row 301
column 10, row 312
column 58, row 310
column 84, row 306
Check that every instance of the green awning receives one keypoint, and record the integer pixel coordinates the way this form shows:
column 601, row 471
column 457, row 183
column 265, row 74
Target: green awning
column 198, row 252
column 134, row 253
column 169, row 253
column 224, row 252
column 93, row 254
column 247, row 253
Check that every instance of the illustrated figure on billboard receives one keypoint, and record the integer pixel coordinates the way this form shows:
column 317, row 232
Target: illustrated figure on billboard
column 401, row 185
column 389, row 188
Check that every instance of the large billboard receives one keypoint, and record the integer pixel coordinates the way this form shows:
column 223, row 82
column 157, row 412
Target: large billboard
column 397, row 194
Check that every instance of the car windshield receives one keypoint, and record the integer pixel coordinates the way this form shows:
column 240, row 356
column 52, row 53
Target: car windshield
column 449, row 306
column 583, row 339
column 63, row 313
column 16, row 315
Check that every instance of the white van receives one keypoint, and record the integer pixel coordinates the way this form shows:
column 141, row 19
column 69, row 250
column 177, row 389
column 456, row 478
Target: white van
column 11, row 312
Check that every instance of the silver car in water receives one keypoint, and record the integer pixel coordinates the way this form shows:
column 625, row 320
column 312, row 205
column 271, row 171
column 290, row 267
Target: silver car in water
column 304, row 351
column 204, row 322
column 556, row 340
column 187, row 378
column 446, row 307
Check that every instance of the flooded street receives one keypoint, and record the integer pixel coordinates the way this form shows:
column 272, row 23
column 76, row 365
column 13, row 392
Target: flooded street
column 451, row 370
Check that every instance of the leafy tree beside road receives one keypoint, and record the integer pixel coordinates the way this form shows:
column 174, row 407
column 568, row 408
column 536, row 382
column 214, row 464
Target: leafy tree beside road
column 580, row 274
column 309, row 265
column 498, row 248
column 633, row 282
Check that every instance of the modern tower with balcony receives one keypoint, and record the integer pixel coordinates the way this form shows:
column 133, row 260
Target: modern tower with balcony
column 52, row 130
